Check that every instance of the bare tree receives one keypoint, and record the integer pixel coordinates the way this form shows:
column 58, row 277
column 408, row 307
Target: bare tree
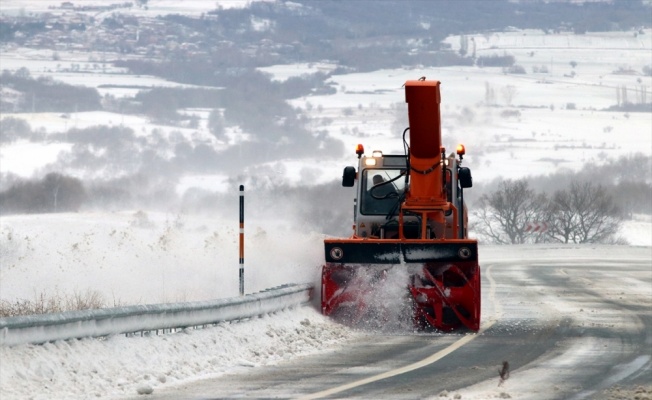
column 504, row 214
column 561, row 221
column 66, row 193
column 585, row 213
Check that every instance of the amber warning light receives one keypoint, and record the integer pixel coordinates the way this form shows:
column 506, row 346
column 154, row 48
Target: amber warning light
column 359, row 150
column 461, row 150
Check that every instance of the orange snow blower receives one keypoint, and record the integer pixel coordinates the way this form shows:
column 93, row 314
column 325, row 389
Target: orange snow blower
column 409, row 216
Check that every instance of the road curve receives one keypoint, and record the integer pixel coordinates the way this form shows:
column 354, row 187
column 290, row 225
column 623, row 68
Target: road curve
column 572, row 322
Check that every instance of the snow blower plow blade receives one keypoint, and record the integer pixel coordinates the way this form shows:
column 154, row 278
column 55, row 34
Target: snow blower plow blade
column 443, row 281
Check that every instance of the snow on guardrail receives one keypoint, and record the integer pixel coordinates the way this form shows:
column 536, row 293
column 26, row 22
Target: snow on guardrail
column 93, row 323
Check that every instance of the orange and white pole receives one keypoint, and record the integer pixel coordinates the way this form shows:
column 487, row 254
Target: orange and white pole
column 241, row 240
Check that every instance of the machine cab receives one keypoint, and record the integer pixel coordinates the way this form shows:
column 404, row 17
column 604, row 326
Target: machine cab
column 379, row 192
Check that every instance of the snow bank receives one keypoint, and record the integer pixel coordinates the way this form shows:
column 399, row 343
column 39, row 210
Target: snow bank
column 119, row 367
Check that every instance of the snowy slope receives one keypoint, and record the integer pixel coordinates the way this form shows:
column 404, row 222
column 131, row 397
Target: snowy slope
column 140, row 258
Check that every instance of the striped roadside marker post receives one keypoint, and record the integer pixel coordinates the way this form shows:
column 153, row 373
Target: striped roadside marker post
column 241, row 240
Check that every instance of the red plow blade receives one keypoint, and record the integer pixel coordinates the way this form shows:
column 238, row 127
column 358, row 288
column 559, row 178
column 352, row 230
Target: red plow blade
column 436, row 294
column 441, row 297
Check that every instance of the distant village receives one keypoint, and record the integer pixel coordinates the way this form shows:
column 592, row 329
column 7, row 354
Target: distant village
column 101, row 28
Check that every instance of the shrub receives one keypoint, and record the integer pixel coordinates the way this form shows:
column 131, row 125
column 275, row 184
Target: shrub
column 44, row 303
column 510, row 113
column 496, row 61
column 515, row 69
column 13, row 129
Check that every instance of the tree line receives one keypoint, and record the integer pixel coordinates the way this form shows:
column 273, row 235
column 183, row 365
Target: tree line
column 584, row 206
column 46, row 95
column 515, row 213
column 55, row 192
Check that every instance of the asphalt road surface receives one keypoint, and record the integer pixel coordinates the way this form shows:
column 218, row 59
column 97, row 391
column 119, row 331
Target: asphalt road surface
column 571, row 325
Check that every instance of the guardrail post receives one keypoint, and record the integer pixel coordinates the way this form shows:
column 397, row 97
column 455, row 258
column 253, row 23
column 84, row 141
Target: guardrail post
column 241, row 240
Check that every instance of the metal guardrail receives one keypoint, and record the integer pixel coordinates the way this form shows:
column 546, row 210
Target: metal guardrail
column 123, row 320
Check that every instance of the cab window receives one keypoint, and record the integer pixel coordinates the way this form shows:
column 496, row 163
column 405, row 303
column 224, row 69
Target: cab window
column 379, row 195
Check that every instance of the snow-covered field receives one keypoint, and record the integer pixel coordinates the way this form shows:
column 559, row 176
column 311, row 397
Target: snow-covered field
column 147, row 257
column 135, row 258
column 560, row 122
column 513, row 125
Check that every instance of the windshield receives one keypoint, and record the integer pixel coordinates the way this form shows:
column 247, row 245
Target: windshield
column 380, row 192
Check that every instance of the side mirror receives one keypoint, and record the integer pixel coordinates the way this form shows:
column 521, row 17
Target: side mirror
column 464, row 175
column 348, row 177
